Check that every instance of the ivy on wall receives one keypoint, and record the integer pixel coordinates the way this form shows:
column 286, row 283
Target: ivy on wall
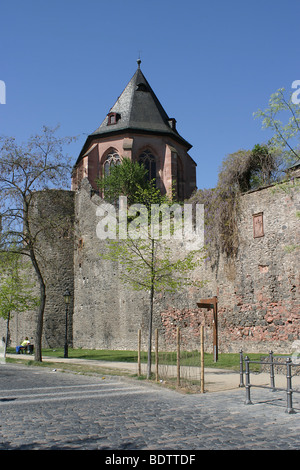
column 241, row 171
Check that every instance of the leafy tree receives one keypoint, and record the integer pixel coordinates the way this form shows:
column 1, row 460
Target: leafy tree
column 282, row 116
column 15, row 290
column 130, row 179
column 25, row 169
column 126, row 179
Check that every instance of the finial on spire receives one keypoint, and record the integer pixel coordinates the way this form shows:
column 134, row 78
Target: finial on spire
column 139, row 60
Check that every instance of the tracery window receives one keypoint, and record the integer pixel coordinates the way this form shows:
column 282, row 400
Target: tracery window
column 112, row 159
column 149, row 161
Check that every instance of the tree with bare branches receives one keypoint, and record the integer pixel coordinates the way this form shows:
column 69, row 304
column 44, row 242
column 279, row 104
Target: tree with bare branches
column 37, row 165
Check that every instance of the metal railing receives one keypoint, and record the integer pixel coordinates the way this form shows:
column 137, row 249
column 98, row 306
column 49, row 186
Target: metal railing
column 271, row 363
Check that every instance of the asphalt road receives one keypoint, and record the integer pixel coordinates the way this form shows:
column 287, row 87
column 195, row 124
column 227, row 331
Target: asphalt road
column 42, row 409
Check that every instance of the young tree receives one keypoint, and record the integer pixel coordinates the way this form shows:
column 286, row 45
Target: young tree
column 15, row 291
column 25, row 169
column 148, row 266
column 282, row 116
column 144, row 250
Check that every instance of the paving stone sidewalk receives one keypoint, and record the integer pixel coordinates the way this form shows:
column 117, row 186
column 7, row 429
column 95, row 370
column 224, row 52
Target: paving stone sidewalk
column 215, row 379
column 46, row 409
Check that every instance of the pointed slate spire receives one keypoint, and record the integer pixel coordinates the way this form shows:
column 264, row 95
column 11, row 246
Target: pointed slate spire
column 138, row 109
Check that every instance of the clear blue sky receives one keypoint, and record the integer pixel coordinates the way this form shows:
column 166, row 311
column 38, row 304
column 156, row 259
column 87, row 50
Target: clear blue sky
column 211, row 63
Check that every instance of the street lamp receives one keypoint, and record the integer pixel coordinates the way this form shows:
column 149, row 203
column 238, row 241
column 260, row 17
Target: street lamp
column 67, row 297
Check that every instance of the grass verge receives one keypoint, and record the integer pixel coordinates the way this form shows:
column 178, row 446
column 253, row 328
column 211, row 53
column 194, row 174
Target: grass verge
column 230, row 361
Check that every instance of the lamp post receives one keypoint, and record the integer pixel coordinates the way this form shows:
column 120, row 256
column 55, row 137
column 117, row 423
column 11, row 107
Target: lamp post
column 67, row 297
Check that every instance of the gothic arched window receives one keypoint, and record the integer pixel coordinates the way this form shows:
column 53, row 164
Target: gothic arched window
column 149, row 162
column 112, row 159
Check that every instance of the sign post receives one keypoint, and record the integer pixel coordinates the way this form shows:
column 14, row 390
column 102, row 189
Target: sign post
column 208, row 304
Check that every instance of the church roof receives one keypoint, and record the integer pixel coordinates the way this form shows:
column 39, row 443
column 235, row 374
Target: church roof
column 138, row 109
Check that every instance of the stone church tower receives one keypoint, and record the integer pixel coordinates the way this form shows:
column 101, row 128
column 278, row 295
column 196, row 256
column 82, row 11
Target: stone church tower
column 137, row 127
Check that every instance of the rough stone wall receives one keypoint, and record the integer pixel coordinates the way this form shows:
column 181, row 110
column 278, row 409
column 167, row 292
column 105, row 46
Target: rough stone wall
column 265, row 307
column 258, row 292
column 107, row 315
column 56, row 254
column 53, row 212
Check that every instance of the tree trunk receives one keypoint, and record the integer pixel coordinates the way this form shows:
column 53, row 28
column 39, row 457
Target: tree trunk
column 7, row 333
column 151, row 313
column 40, row 318
column 150, row 334
column 39, row 325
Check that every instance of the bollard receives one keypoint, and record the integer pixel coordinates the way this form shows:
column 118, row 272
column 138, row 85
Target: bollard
column 241, row 369
column 202, row 359
column 272, row 376
column 289, row 391
column 139, row 353
column 247, row 372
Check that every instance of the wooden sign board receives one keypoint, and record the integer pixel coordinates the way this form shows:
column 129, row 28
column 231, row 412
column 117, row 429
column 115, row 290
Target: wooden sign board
column 212, row 303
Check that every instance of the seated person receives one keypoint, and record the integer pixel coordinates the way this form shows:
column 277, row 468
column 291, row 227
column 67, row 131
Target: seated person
column 23, row 345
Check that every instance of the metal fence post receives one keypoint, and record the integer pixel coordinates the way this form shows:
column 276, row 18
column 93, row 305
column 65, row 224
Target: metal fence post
column 289, row 391
column 247, row 372
column 272, row 377
column 156, row 355
column 202, row 359
column 241, row 369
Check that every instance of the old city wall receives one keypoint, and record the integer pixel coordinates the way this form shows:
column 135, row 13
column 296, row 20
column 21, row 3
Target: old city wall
column 263, row 308
column 258, row 291
column 52, row 220
column 107, row 315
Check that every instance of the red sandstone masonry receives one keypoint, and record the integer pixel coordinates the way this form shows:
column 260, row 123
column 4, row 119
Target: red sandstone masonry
column 259, row 308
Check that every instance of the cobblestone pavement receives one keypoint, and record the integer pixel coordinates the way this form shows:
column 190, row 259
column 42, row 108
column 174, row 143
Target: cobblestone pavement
column 43, row 409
